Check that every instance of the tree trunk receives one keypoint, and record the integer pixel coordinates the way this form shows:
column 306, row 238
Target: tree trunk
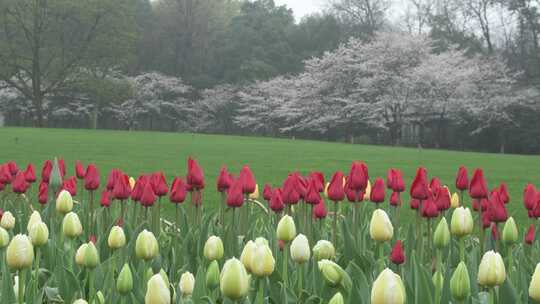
column 38, row 105
column 94, row 118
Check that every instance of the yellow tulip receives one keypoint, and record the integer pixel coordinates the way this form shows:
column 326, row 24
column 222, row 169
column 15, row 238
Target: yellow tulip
column 462, row 222
column 64, row 202
column 213, row 248
column 388, row 289
column 20, row 252
column 454, row 201
column 4, row 238
column 255, row 194
column 8, row 221
column 187, row 283
column 131, row 182
column 491, row 271
column 286, row 229
column 234, row 281
column 71, row 225
column 380, row 227
column 117, row 238
column 262, row 261
column 247, row 254
column 300, row 251
column 146, row 245
column 534, row 287
column 39, row 234
column 157, row 291
column 34, row 219
column 324, row 250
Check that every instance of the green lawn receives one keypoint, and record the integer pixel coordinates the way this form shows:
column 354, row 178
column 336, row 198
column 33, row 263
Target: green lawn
column 270, row 159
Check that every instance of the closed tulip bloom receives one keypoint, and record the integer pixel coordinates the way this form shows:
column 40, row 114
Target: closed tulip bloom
column 148, row 197
column 80, row 301
column 195, row 175
column 397, row 256
column 79, row 169
column 394, row 199
column 529, row 197
column 334, row 275
column 491, row 271
column 380, row 227
column 124, row 283
column 478, row 188
column 234, row 281
column 70, row 185
column 212, row 275
column 290, row 194
column 255, row 194
column 121, row 189
column 262, row 261
column 111, row 178
column 276, row 201
column 337, row 299
column 213, row 248
column 503, row 192
column 146, row 245
column 187, row 283
column 178, row 191
column 71, row 225
column 497, row 209
column 319, row 177
column 43, row 193
column 79, row 254
column 377, row 191
column 159, row 184
column 419, row 187
column 64, row 202
column 414, row 204
column 247, row 254
column 235, row 196
column 20, row 185
column 91, row 178
column 529, row 236
column 4, row 238
column 462, row 179
column 534, row 286
column 510, row 231
column 313, row 196
column 462, row 222
column 300, row 250
column 157, row 291
column 429, row 209
column 460, row 284
column 454, row 201
column 138, row 188
column 286, row 229
column 91, row 256
column 267, row 192
column 46, row 170
column 117, row 238
column 443, row 199
column 105, row 199
column 39, row 234
column 224, row 180
column 248, row 180
column 435, row 185
column 5, row 175
column 336, row 191
column 358, row 176
column 35, row 218
column 8, row 221
column 319, row 211
column 20, row 252
column 324, row 250
column 388, row 289
column 30, row 173
column 438, row 280
column 441, row 237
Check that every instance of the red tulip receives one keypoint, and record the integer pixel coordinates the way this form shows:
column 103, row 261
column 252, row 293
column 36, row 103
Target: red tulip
column 353, row 196
column 394, row 199
column 5, row 175
column 478, row 187
column 195, row 175
column 20, row 185
column 313, row 197
column 70, row 185
column 319, row 211
column 248, row 180
column 91, row 178
column 397, row 256
column 79, row 170
column 111, row 179
column 529, row 237
column 435, row 185
column 13, row 169
column 535, row 212
column 429, row 209
column 397, row 183
column 390, row 178
column 46, row 170
column 62, row 167
column 358, row 176
column 419, row 187
column 319, row 177
column 503, row 192
column 43, row 193
column 121, row 189
column 443, row 199
column 138, row 189
column 30, row 173
column 486, row 219
column 290, row 193
column 336, row 191
column 414, row 203
column 483, row 203
column 148, row 197
column 462, row 179
column 497, row 210
column 494, row 232
column 105, row 200
column 529, row 196
column 224, row 180
column 276, row 201
column 267, row 192
column 159, row 184
column 377, row 191
column 301, row 185
column 178, row 191
column 235, row 195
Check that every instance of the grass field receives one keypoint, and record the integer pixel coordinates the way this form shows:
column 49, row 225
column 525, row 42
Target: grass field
column 270, row 159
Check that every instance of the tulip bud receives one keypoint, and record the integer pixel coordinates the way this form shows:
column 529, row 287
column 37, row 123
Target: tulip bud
column 100, row 298
column 91, row 256
column 39, row 234
column 491, row 271
column 534, row 287
column 462, row 222
column 80, row 301
column 255, row 194
column 71, row 225
column 460, row 285
column 187, row 283
column 388, row 288
column 247, row 254
column 131, row 182
column 262, row 261
column 454, row 201
column 510, row 231
column 337, row 299
column 64, row 202
column 438, row 280
column 146, row 245
column 441, row 237
column 34, row 219
column 117, row 238
column 20, row 252
column 124, row 283
column 300, row 251
column 380, row 227
column 8, row 221
column 212, row 275
column 324, row 250
column 334, row 275
column 234, row 281
column 286, row 229
column 213, row 248
column 79, row 255
column 4, row 238
column 157, row 291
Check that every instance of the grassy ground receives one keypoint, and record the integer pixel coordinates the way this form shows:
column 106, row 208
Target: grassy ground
column 270, row 159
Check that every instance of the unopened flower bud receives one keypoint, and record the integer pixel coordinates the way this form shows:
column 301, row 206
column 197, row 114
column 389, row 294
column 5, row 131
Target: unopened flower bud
column 20, row 252
column 213, row 248
column 146, row 245
column 124, row 283
column 117, row 238
column 187, row 284
column 39, row 234
column 71, row 225
column 286, row 229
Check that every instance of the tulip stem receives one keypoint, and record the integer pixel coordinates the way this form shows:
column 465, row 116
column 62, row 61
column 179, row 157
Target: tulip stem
column 430, row 239
column 462, row 248
column 335, row 223
column 260, row 292
column 38, row 258
column 380, row 247
column 90, row 285
column 492, row 296
column 300, row 278
column 21, row 286
column 285, row 262
column 91, row 213
column 510, row 262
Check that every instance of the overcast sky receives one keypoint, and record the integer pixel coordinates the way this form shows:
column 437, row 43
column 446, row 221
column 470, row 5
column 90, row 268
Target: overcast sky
column 303, row 7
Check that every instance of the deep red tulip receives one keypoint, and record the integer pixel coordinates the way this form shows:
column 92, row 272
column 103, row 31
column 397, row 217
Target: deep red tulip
column 138, row 189
column 235, row 195
column 5, row 175
column 290, row 193
column 529, row 196
column 46, row 170
column 336, row 192
column 377, row 191
column 301, row 185
column 195, row 175
column 397, row 256
column 419, row 187
column 159, row 184
column 224, row 180
column 483, row 203
column 503, row 192
column 529, row 237
column 105, row 200
column 313, row 197
column 13, row 168
column 70, row 185
column 248, row 180
column 494, row 232
column 79, row 170
column 478, row 187
column 462, row 179
column 535, row 212
column 414, row 203
column 91, row 178
column 397, row 183
column 30, row 173
column 353, row 196
column 319, row 177
column 20, row 185
column 267, row 192
column 111, row 178
column 429, row 209
column 486, row 219
column 435, row 185
column 319, row 211
column 43, row 193
column 390, row 178
column 178, row 191
column 148, row 197
column 497, row 209
column 121, row 189
column 358, row 176
column 443, row 199
column 276, row 201
column 395, row 199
